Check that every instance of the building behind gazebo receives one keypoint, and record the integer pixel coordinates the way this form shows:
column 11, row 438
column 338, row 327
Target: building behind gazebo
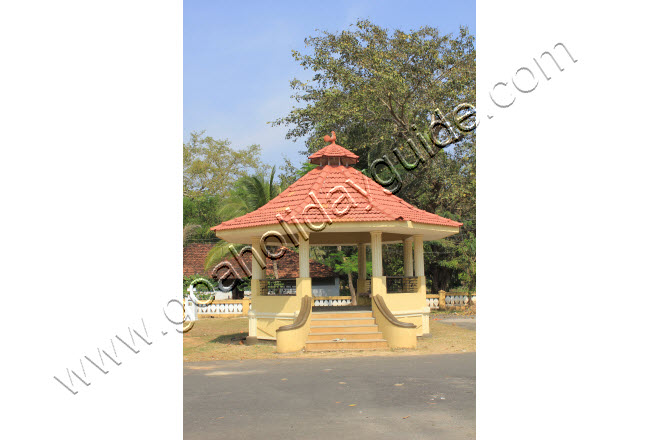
column 333, row 205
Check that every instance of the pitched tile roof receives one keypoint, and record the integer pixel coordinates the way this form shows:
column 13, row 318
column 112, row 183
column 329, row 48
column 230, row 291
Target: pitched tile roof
column 195, row 254
column 344, row 194
column 287, row 267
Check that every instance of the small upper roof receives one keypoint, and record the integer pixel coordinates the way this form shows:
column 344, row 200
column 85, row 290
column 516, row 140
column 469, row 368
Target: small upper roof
column 333, row 150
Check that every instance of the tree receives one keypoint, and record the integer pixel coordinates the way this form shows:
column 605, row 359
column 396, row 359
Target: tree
column 211, row 166
column 248, row 194
column 377, row 88
column 372, row 85
column 188, row 231
column 345, row 264
column 289, row 173
column 202, row 211
column 449, row 190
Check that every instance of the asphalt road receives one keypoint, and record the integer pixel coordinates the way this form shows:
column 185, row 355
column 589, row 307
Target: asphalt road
column 380, row 397
column 468, row 323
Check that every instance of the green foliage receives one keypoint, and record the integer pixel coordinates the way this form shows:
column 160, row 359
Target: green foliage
column 342, row 263
column 211, row 166
column 199, row 287
column 290, row 173
column 248, row 194
column 371, row 85
column 202, row 212
column 218, row 252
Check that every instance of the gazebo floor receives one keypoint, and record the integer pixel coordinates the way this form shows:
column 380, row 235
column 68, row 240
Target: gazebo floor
column 340, row 308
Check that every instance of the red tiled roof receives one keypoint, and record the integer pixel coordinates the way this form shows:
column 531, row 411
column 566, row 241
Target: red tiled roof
column 194, row 256
column 344, row 193
column 287, row 267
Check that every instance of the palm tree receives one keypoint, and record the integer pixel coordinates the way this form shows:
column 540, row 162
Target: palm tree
column 249, row 194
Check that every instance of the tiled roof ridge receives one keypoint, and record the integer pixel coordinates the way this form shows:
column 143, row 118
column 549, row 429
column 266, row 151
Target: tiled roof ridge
column 335, row 151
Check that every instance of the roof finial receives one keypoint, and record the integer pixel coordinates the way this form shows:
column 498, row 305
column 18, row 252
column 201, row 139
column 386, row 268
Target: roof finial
column 331, row 139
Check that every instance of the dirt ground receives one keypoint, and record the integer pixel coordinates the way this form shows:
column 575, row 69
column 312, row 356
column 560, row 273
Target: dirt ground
column 222, row 338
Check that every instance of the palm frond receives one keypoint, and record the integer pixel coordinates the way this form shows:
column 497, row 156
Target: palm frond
column 217, row 253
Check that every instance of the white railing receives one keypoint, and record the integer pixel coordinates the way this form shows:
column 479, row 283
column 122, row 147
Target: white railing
column 332, row 301
column 224, row 307
column 433, row 301
column 450, row 300
column 456, row 300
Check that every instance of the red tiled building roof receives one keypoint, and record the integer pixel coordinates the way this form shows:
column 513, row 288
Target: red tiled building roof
column 195, row 254
column 287, row 267
column 340, row 193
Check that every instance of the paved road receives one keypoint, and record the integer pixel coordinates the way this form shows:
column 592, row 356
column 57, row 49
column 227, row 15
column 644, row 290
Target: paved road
column 394, row 397
column 469, row 323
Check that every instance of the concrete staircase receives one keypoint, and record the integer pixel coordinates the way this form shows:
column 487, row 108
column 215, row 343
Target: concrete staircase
column 344, row 330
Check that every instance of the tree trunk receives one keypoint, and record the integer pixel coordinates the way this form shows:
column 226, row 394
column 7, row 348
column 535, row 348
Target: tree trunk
column 275, row 272
column 435, row 280
column 352, row 289
column 445, row 276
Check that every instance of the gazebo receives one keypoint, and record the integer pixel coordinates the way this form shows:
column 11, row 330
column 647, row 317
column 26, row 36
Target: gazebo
column 334, row 204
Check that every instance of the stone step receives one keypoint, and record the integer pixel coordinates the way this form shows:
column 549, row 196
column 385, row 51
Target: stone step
column 341, row 321
column 341, row 315
column 355, row 344
column 343, row 328
column 344, row 335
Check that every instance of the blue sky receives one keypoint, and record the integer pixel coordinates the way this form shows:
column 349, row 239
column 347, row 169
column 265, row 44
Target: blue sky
column 237, row 59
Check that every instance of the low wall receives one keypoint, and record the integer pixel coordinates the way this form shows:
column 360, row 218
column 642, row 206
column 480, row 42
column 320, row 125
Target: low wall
column 228, row 308
column 449, row 299
column 224, row 308
column 330, row 301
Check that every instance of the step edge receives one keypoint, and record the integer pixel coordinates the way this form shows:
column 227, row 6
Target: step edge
column 341, row 319
column 342, row 326
column 348, row 333
column 346, row 341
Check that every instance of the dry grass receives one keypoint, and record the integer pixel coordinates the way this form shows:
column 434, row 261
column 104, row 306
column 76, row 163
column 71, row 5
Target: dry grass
column 219, row 339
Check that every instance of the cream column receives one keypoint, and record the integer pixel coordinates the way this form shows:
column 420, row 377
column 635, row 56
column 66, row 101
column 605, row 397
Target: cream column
column 257, row 276
column 257, row 271
column 303, row 282
column 378, row 285
column 408, row 257
column 421, row 283
column 303, row 261
column 376, row 254
column 419, row 256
